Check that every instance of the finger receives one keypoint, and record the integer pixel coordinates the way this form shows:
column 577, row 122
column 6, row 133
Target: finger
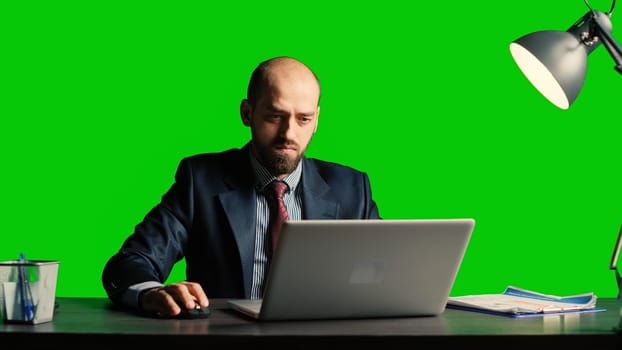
column 160, row 302
column 197, row 292
column 182, row 293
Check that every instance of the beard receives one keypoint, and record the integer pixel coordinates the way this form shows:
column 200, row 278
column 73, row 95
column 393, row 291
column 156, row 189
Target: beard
column 277, row 164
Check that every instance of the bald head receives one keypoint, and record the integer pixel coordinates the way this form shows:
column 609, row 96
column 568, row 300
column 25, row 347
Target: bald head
column 272, row 72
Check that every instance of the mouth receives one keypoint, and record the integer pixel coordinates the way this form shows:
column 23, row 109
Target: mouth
column 284, row 148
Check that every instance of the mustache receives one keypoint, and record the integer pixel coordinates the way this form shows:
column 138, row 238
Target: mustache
column 283, row 142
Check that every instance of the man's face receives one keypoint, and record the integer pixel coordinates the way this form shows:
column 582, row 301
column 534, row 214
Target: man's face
column 283, row 121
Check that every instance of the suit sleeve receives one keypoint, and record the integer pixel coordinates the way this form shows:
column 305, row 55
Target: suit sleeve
column 157, row 243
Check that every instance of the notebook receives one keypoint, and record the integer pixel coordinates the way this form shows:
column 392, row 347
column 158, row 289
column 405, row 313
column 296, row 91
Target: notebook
column 337, row 269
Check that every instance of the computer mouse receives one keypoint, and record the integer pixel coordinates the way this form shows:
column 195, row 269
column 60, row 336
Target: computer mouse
column 197, row 312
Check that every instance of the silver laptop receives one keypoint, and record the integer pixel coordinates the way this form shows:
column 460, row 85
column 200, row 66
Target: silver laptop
column 336, row 269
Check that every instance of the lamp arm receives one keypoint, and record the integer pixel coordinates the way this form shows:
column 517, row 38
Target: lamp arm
column 611, row 45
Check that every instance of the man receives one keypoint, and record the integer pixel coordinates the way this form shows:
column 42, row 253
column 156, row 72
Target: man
column 216, row 214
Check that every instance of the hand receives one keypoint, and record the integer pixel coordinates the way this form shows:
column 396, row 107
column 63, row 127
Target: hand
column 167, row 301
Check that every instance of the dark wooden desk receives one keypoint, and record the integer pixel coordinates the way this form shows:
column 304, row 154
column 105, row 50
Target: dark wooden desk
column 91, row 323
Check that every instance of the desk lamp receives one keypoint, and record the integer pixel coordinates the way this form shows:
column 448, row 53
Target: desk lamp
column 555, row 62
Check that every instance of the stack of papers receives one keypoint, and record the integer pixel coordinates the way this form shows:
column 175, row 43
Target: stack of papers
column 517, row 302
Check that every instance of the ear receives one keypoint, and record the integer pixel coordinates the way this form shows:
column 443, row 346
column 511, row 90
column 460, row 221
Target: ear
column 245, row 112
column 317, row 119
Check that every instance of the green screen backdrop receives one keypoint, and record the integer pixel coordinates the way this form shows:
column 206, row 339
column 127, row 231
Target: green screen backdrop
column 101, row 100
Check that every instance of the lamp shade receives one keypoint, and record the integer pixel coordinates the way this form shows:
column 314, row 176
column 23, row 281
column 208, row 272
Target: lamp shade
column 555, row 62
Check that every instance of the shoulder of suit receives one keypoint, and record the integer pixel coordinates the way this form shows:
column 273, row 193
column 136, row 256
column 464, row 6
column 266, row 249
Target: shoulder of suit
column 323, row 165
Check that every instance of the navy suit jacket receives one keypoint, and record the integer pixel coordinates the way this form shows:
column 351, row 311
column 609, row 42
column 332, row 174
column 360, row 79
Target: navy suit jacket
column 208, row 217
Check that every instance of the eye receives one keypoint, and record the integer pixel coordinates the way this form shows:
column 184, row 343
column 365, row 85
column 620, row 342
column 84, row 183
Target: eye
column 273, row 118
column 305, row 119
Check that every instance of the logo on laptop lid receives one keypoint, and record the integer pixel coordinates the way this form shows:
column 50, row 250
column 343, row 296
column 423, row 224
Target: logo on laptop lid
column 367, row 272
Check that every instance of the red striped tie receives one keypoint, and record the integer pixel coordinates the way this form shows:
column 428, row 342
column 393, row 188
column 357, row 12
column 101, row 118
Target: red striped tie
column 278, row 211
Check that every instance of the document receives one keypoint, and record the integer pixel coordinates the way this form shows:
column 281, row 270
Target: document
column 518, row 302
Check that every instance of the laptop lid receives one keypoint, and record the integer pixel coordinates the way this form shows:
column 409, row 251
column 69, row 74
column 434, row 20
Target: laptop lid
column 328, row 269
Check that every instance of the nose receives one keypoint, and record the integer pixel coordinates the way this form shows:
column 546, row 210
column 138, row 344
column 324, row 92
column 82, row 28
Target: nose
column 287, row 126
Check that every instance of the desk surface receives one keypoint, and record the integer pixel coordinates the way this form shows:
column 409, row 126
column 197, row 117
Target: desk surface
column 94, row 322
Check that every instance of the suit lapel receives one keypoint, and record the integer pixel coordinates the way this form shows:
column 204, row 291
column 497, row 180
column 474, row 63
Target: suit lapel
column 316, row 197
column 239, row 206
